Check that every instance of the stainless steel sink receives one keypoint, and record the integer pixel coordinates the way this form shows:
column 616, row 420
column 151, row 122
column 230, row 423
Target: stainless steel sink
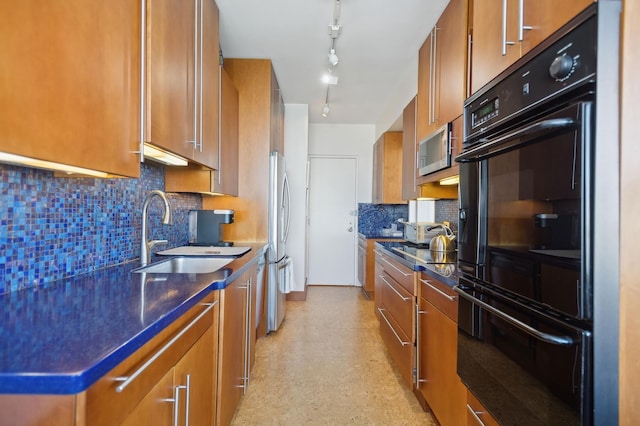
column 185, row 265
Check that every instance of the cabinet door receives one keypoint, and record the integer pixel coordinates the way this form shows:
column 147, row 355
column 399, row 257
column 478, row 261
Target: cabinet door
column 423, row 99
column 227, row 173
column 69, row 83
column 231, row 352
column 171, row 76
column 157, row 407
column 207, row 152
column 451, row 58
column 491, row 38
column 409, row 152
column 378, row 171
column 362, row 262
column 387, row 169
column 546, row 16
column 277, row 116
column 194, row 380
column 438, row 380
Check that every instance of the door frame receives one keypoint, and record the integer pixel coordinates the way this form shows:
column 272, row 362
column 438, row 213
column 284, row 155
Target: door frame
column 310, row 158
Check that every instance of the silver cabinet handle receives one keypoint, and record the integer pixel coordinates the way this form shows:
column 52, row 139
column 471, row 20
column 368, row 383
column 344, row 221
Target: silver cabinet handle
column 394, row 267
column 435, row 75
column 143, row 72
column 505, row 43
column 247, row 339
column 195, row 76
column 392, row 329
column 126, row 381
column 176, row 401
column 188, row 403
column 521, row 26
column 404, row 299
column 475, row 415
column 428, row 284
column 418, row 346
column 469, row 51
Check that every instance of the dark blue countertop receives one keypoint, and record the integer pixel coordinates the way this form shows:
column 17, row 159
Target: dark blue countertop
column 378, row 236
column 441, row 266
column 62, row 337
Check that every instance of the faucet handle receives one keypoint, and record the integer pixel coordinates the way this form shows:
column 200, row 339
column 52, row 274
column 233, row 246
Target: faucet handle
column 154, row 243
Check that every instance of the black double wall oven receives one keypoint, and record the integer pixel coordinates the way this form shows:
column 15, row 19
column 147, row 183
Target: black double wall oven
column 525, row 341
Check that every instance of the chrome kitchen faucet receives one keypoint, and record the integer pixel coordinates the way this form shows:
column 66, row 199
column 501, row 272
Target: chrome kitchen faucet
column 146, row 246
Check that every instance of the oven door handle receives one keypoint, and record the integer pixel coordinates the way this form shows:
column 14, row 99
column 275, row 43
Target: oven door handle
column 545, row 337
column 492, row 147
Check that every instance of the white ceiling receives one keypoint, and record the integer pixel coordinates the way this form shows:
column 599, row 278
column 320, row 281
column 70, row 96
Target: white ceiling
column 378, row 44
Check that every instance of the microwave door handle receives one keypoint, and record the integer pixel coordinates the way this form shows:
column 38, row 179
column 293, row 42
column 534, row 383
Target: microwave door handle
column 545, row 337
column 490, row 147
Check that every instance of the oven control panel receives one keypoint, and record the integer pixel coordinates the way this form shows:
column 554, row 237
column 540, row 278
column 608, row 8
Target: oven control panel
column 561, row 66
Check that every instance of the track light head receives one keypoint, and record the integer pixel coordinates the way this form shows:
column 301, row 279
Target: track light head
column 333, row 58
column 325, row 110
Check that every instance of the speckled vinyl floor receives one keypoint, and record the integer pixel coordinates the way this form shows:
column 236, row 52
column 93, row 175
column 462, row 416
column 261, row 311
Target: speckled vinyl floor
column 327, row 365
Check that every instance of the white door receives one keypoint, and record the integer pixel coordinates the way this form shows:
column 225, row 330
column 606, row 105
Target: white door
column 332, row 220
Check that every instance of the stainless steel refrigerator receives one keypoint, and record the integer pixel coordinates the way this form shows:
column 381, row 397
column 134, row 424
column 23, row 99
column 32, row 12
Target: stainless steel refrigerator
column 279, row 263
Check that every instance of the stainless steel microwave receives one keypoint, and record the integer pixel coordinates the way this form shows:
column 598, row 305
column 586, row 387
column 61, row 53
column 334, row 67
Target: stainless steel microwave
column 434, row 151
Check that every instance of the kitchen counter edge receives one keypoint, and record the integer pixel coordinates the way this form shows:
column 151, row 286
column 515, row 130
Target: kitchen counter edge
column 70, row 379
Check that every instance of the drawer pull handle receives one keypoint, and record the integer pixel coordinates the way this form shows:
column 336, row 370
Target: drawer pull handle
column 394, row 266
column 126, row 381
column 475, row 415
column 392, row 329
column 404, row 299
column 428, row 284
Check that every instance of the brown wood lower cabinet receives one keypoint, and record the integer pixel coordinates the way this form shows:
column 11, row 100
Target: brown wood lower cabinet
column 395, row 307
column 437, row 380
column 237, row 335
column 182, row 360
column 366, row 263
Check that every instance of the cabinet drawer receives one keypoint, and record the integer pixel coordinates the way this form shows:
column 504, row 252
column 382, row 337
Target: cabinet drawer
column 439, row 295
column 399, row 345
column 111, row 398
column 397, row 302
column 362, row 242
column 399, row 272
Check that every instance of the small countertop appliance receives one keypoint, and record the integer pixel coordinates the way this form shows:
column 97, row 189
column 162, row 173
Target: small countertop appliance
column 205, row 227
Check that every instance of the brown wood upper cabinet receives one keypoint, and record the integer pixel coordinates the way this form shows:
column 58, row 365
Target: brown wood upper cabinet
column 224, row 180
column 387, row 169
column 255, row 81
column 182, row 91
column 500, row 36
column 410, row 188
column 71, row 87
column 442, row 70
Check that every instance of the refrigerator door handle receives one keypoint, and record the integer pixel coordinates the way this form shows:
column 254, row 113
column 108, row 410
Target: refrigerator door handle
column 286, row 190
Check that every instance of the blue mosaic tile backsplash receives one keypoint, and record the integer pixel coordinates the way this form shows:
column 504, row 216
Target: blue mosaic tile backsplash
column 53, row 228
column 373, row 217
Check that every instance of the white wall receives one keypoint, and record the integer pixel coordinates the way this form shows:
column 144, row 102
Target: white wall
column 296, row 142
column 347, row 139
column 405, row 90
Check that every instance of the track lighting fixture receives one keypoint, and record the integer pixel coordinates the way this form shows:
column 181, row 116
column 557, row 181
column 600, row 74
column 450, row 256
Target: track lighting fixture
column 333, row 58
column 325, row 108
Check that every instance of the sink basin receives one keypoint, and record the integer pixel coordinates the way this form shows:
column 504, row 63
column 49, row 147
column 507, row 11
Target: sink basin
column 185, row 265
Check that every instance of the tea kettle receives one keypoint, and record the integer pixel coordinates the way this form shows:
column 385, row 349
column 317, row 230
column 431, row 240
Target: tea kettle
column 443, row 242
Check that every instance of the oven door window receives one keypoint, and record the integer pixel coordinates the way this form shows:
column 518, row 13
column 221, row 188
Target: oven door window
column 535, row 215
